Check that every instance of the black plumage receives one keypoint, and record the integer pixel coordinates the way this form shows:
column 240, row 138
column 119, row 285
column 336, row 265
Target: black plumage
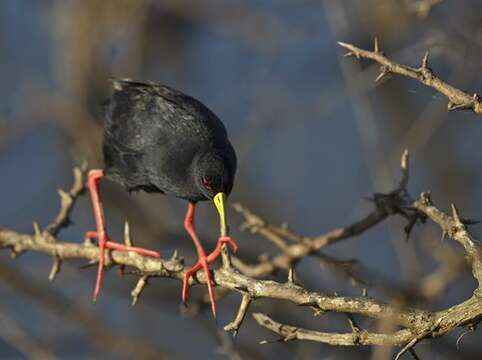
column 158, row 139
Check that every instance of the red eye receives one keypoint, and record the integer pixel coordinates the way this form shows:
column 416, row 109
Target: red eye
column 206, row 183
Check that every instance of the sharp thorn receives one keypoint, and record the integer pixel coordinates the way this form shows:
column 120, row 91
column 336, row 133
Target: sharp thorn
column 444, row 235
column 425, row 61
column 382, row 74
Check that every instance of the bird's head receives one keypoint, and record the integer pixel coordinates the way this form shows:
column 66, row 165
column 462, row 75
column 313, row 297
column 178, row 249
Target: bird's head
column 214, row 177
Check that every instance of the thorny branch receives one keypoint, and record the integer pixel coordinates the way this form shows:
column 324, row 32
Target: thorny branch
column 413, row 324
column 458, row 99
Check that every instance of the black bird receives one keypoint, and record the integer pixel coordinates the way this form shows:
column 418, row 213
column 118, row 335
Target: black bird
column 159, row 140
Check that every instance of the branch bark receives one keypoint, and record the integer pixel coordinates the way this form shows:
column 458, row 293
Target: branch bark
column 458, row 99
column 416, row 324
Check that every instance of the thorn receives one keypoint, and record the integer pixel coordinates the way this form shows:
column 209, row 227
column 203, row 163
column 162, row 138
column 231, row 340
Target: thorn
column 406, row 348
column 470, row 221
column 470, row 329
column 404, row 160
column 54, row 270
column 175, row 256
column 291, row 275
column 425, row 60
column 383, row 73
column 36, row 230
column 375, row 45
column 455, row 214
column 63, row 195
column 444, row 235
column 127, row 234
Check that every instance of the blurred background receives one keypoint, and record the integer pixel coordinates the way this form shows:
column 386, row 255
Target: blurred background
column 315, row 136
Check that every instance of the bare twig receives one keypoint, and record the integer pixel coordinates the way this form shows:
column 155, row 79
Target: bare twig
column 392, row 203
column 238, row 320
column 288, row 333
column 416, row 324
column 67, row 201
column 456, row 230
column 54, row 270
column 458, row 99
column 136, row 292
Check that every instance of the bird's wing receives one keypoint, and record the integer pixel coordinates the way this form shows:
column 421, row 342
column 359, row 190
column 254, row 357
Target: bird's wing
column 140, row 113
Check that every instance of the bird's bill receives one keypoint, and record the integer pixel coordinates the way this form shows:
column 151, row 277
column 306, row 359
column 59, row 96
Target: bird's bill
column 219, row 200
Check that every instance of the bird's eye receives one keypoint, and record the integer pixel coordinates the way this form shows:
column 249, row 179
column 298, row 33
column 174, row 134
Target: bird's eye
column 206, row 182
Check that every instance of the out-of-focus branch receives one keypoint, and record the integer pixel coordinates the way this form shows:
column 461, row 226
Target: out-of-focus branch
column 104, row 338
column 13, row 334
column 422, row 8
column 458, row 99
column 439, row 323
column 395, row 202
column 454, row 227
column 416, row 324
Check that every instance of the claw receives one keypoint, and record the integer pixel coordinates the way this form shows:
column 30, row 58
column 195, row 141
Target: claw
column 217, row 251
column 106, row 243
column 229, row 241
column 203, row 260
column 204, row 264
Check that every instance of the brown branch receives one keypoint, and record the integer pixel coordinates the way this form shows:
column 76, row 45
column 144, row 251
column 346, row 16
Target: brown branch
column 458, row 99
column 438, row 324
column 224, row 277
column 453, row 227
column 362, row 337
column 416, row 324
column 238, row 320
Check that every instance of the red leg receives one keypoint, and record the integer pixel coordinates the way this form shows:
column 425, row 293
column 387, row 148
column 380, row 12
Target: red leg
column 101, row 234
column 203, row 261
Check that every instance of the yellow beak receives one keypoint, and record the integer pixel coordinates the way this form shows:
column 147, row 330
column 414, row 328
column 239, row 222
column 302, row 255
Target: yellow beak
column 219, row 201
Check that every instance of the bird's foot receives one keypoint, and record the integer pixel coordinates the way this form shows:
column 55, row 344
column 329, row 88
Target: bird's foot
column 228, row 240
column 203, row 263
column 106, row 243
